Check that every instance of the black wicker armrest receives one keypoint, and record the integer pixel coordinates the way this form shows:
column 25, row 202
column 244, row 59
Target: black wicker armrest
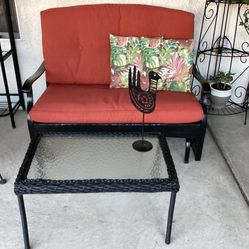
column 27, row 86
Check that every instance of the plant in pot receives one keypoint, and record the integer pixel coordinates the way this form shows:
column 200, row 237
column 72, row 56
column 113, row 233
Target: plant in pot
column 245, row 17
column 221, row 90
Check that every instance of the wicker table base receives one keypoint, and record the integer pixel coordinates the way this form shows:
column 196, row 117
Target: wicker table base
column 147, row 172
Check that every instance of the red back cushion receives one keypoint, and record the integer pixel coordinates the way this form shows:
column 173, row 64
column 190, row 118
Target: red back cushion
column 75, row 39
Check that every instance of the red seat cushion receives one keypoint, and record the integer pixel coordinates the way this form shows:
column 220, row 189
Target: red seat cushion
column 61, row 103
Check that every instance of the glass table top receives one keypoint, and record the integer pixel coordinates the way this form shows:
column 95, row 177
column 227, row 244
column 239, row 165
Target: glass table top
column 96, row 156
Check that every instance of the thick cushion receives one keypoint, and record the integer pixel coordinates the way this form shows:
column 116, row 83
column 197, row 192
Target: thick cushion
column 171, row 59
column 176, row 61
column 75, row 39
column 127, row 52
column 62, row 103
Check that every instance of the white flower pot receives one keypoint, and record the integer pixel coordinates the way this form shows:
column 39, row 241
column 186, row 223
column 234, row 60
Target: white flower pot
column 219, row 98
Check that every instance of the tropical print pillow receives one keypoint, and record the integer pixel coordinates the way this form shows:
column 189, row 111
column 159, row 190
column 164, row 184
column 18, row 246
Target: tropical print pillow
column 127, row 52
column 176, row 61
column 172, row 59
column 150, row 58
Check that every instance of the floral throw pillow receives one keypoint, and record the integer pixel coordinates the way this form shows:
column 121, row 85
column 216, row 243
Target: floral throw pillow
column 176, row 61
column 127, row 52
column 151, row 48
column 172, row 59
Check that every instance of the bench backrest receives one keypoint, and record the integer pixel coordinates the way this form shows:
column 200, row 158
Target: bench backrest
column 75, row 39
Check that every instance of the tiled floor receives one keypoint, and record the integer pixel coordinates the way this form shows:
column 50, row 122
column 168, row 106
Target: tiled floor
column 210, row 211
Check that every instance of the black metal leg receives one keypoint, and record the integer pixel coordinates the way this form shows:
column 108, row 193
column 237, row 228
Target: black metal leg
column 187, row 150
column 170, row 217
column 197, row 143
column 142, row 145
column 5, row 81
column 246, row 113
column 24, row 222
column 14, row 54
column 245, row 117
column 2, row 180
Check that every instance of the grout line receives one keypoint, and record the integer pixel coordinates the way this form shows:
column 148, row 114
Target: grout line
column 229, row 166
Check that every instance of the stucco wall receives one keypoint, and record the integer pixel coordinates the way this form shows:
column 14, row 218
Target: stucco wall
column 29, row 46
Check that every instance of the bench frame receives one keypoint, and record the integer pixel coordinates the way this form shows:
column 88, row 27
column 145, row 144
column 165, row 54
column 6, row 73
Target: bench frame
column 194, row 133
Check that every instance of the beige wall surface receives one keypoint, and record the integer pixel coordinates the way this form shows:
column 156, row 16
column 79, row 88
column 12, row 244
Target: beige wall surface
column 29, row 47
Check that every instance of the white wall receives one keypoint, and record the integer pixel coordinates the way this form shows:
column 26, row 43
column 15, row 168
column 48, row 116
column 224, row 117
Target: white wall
column 29, row 47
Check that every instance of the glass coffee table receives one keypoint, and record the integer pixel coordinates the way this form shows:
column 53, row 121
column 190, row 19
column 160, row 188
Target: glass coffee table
column 92, row 163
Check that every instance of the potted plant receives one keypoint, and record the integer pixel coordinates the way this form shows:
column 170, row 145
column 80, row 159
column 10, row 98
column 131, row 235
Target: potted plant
column 245, row 18
column 245, row 21
column 221, row 89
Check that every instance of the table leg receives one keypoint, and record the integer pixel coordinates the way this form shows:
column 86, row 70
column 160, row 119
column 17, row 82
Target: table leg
column 2, row 180
column 170, row 216
column 24, row 221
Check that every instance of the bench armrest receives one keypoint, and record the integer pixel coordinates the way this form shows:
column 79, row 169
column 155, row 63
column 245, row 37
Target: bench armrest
column 205, row 88
column 27, row 86
column 204, row 83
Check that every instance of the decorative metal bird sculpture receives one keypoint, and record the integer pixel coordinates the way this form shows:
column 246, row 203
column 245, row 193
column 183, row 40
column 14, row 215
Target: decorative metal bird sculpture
column 144, row 101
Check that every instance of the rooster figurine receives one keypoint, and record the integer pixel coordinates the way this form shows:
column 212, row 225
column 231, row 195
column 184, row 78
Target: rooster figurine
column 144, row 101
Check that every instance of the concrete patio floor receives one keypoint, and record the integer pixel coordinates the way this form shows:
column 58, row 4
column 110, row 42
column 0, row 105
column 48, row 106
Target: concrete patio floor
column 232, row 138
column 210, row 210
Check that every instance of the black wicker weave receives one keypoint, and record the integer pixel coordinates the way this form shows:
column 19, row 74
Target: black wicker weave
column 47, row 186
column 24, row 185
